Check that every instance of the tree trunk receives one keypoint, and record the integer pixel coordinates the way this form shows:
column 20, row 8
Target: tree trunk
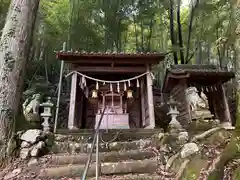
column 148, row 49
column 236, row 10
column 172, row 34
column 218, row 47
column 136, row 33
column 194, row 7
column 180, row 32
column 208, row 52
column 142, row 37
column 199, row 51
column 14, row 50
column 233, row 148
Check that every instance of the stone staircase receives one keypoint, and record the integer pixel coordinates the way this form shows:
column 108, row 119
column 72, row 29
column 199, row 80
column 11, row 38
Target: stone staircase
column 125, row 154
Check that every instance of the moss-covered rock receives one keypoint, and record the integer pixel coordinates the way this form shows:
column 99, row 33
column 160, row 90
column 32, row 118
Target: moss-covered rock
column 236, row 173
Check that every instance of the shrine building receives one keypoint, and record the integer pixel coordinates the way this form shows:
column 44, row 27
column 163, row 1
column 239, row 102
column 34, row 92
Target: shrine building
column 180, row 82
column 120, row 82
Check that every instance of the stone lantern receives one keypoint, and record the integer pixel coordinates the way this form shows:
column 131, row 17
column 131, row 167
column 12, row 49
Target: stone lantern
column 47, row 114
column 173, row 112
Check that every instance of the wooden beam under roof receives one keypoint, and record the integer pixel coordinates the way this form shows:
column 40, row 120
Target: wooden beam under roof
column 109, row 69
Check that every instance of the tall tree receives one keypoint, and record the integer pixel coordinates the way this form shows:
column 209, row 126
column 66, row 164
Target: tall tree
column 233, row 148
column 180, row 32
column 190, row 26
column 14, row 49
column 172, row 32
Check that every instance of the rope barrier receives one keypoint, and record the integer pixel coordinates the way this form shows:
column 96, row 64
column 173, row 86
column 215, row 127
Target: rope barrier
column 111, row 82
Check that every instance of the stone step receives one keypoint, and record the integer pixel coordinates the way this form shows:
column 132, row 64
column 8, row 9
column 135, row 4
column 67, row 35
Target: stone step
column 131, row 177
column 132, row 130
column 113, row 156
column 110, row 168
column 107, row 135
column 116, row 177
column 74, row 147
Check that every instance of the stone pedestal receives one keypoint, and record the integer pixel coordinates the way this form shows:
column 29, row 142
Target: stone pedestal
column 227, row 125
column 202, row 114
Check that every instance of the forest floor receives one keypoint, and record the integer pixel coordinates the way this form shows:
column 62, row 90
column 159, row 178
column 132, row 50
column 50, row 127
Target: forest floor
column 197, row 169
column 21, row 170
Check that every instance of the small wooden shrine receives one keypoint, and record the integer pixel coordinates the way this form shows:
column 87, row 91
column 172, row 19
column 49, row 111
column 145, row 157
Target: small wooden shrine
column 200, row 92
column 121, row 82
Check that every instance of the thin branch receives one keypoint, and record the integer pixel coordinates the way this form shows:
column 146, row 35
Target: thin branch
column 194, row 7
column 189, row 59
column 150, row 32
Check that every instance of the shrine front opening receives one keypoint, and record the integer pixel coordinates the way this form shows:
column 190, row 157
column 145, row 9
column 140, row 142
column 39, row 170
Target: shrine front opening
column 121, row 82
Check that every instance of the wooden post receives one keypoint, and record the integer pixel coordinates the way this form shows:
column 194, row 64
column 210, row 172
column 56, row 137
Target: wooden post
column 121, row 102
column 150, row 100
column 59, row 91
column 227, row 123
column 103, row 102
column 142, row 102
column 72, row 108
column 79, row 107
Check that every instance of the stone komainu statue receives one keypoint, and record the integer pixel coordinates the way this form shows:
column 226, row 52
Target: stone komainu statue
column 198, row 104
column 196, row 101
column 31, row 108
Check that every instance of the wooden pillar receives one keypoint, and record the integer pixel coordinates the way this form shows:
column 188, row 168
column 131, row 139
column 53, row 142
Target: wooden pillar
column 80, row 107
column 227, row 119
column 103, row 102
column 150, row 100
column 71, row 119
column 142, row 102
column 121, row 102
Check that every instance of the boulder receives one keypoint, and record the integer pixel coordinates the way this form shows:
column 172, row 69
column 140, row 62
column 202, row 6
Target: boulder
column 25, row 144
column 32, row 162
column 24, row 153
column 37, row 148
column 19, row 134
column 31, row 136
column 160, row 136
column 189, row 149
column 13, row 174
column 40, row 145
column 34, row 152
column 49, row 140
column 183, row 137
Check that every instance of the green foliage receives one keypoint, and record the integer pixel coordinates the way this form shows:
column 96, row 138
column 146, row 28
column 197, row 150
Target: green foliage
column 3, row 12
column 123, row 26
column 236, row 174
column 190, row 175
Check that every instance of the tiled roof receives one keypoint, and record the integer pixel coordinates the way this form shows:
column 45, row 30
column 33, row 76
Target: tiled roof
column 198, row 70
column 110, row 54
column 195, row 66
column 203, row 74
column 99, row 57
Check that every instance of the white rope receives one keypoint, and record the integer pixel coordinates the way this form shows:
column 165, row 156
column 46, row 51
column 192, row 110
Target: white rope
column 104, row 81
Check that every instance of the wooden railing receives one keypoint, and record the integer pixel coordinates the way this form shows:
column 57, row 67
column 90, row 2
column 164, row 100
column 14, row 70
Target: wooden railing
column 94, row 143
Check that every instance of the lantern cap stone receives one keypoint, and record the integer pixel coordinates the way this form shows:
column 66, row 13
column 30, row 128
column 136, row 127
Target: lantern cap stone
column 48, row 103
